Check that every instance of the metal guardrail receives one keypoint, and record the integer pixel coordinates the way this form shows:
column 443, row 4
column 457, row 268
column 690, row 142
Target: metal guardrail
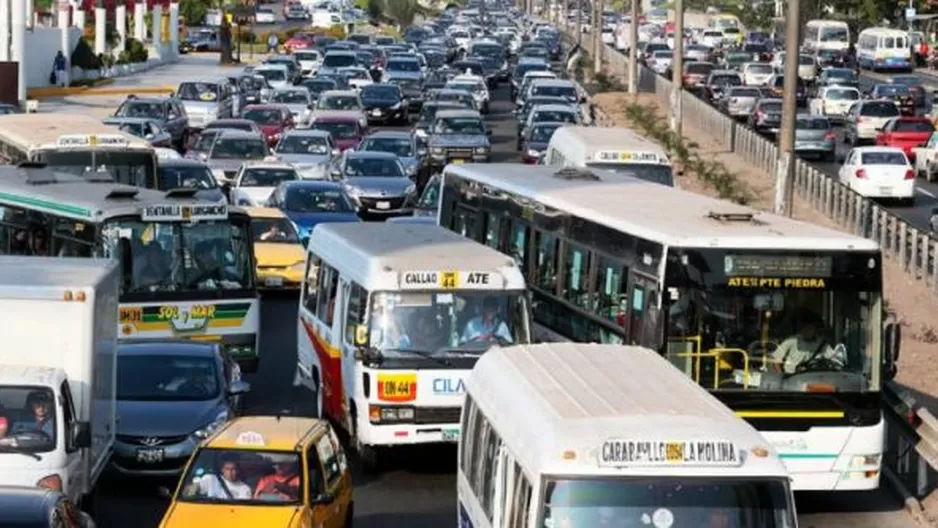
column 910, row 456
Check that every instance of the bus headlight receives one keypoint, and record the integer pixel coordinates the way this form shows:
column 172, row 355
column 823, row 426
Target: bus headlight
column 482, row 150
column 858, row 461
column 381, row 414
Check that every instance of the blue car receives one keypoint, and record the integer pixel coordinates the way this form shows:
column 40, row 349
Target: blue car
column 310, row 202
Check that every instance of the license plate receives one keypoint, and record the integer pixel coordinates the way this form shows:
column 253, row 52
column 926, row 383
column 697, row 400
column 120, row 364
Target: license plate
column 376, row 112
column 458, row 161
column 450, row 435
column 383, row 205
column 885, row 190
column 273, row 281
column 150, row 456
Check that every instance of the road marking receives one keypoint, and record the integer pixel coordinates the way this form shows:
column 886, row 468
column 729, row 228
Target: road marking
column 923, row 191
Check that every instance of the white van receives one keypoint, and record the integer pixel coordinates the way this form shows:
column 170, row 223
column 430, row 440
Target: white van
column 881, row 48
column 566, row 434
column 392, row 318
column 615, row 149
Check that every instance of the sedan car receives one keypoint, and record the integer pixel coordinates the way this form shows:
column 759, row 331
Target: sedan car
column 345, row 127
column 879, row 172
column 402, row 144
column 309, row 150
column 167, row 111
column 563, row 113
column 310, row 203
column 815, row 137
column 189, row 174
column 257, row 180
column 232, row 148
column 535, row 139
column 766, row 117
column 143, row 128
column 298, row 100
column 906, row 133
column 428, row 115
column 171, row 395
column 739, row 101
column 377, row 182
column 385, row 103
column 280, row 256
column 272, row 119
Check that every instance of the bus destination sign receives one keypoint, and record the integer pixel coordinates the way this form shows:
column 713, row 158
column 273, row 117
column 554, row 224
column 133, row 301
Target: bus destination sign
column 615, row 156
column 91, row 141
column 184, row 213
column 780, row 266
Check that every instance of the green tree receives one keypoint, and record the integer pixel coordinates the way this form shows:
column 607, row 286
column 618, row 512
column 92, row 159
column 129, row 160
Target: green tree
column 375, row 8
column 193, row 11
column 402, row 12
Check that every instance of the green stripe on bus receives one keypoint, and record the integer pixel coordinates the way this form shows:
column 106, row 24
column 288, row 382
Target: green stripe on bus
column 45, row 204
column 803, row 456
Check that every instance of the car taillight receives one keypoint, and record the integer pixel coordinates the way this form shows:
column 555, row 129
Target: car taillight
column 910, row 174
column 830, row 136
column 861, row 174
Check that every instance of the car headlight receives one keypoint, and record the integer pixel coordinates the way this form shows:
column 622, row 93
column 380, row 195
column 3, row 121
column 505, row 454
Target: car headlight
column 481, row 150
column 212, row 426
column 421, row 133
column 533, row 154
column 436, row 150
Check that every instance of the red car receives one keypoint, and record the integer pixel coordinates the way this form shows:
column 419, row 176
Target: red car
column 906, row 133
column 273, row 120
column 347, row 131
column 300, row 41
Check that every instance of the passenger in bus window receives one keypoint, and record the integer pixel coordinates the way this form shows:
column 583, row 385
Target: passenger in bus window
column 427, row 334
column 38, row 242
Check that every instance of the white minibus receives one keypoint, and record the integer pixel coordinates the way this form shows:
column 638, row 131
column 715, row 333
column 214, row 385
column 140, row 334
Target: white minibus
column 884, row 49
column 615, row 149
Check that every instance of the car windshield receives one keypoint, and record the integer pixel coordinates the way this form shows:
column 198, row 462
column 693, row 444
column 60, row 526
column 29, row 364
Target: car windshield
column 879, row 110
column 726, row 80
column 467, row 87
column 263, row 116
column 308, row 55
column 239, row 148
column 339, row 102
column 403, row 66
column 834, row 34
column 883, row 158
column 842, row 95
column 567, row 92
column 430, row 199
column 249, row 476
column 699, row 68
column 204, row 143
column 338, row 60
column 356, row 73
column 892, row 90
column 773, row 107
column 521, row 69
column 230, row 125
column 338, row 129
column 272, row 74
column 198, row 91
column 841, row 74
column 317, row 86
column 135, row 129
column 805, row 60
column 918, row 125
column 652, row 172
column 543, row 133
column 290, row 97
column 182, row 257
column 380, row 92
column 812, row 124
column 366, row 166
column 690, row 502
column 438, row 321
column 186, row 177
column 27, row 420
column 462, row 125
column 140, row 109
column 274, row 230
column 663, row 54
column 401, row 147
column 303, row 144
column 266, row 177
column 751, row 93
column 554, row 115
column 166, row 377
column 307, row 199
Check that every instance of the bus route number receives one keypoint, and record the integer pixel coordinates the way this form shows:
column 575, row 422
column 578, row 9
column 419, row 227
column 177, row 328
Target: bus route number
column 449, row 280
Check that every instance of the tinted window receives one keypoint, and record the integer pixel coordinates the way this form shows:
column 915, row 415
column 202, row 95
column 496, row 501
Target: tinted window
column 198, row 177
column 913, row 126
column 290, row 97
column 699, row 68
column 772, row 107
column 300, row 144
column 884, row 158
column 812, row 124
column 263, row 116
column 266, row 177
column 373, row 167
column 304, row 199
column 403, row 65
column 879, row 110
column 402, row 147
column 334, row 60
column 338, row 129
column 160, row 377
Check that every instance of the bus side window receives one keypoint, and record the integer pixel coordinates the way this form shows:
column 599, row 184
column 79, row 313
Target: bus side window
column 328, row 288
column 470, row 417
column 464, row 222
column 492, row 445
column 493, row 230
column 610, row 290
column 638, row 312
column 576, row 275
column 517, row 245
column 355, row 312
column 311, row 285
column 545, row 265
column 522, row 502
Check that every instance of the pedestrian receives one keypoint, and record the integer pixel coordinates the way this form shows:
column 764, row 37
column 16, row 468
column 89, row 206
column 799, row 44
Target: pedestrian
column 60, row 69
column 273, row 42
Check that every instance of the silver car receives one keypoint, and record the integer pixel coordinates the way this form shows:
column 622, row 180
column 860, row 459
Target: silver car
column 310, row 151
column 814, row 137
column 298, row 100
column 865, row 118
column 206, row 101
column 739, row 101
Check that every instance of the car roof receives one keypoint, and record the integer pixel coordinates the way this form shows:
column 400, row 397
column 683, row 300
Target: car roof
column 229, row 133
column 266, row 106
column 390, row 133
column 547, row 81
column 265, row 164
column 335, row 93
column 111, row 120
column 180, row 162
column 279, row 433
column 315, row 184
column 370, row 154
column 462, row 112
column 307, row 132
column 174, row 347
column 230, row 121
column 876, row 148
column 264, row 212
column 555, row 108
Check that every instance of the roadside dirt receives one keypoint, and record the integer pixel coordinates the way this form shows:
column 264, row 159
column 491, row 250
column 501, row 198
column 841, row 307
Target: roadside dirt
column 913, row 303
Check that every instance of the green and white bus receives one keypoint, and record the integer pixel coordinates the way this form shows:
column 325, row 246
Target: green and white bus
column 187, row 265
column 723, row 291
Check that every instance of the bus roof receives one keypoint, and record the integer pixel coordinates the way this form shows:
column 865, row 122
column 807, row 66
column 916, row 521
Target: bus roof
column 656, row 212
column 30, row 131
column 396, row 256
column 558, row 406
column 597, row 143
column 92, row 200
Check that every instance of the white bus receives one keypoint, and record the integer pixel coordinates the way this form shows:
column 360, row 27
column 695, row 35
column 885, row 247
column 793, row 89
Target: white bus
column 392, row 317
column 616, row 149
column 719, row 289
column 585, row 436
column 826, row 35
column 884, row 49
column 77, row 144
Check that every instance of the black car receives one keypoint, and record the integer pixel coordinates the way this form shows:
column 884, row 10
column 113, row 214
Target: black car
column 385, row 103
column 40, row 508
column 167, row 111
column 919, row 93
column 412, row 90
column 189, row 174
column 252, row 88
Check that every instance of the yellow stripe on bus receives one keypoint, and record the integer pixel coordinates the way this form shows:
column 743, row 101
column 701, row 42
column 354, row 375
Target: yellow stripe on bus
column 790, row 414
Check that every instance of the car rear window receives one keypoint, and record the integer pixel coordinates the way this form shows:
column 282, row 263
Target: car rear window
column 759, row 69
column 881, row 109
column 913, row 126
column 699, row 68
column 812, row 124
column 884, row 158
column 746, row 92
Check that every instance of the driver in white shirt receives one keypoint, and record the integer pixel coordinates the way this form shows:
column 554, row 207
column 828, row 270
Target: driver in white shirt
column 228, row 486
column 806, row 347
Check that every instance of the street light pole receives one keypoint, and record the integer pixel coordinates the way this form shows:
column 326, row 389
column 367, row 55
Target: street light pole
column 633, row 54
column 784, row 164
column 597, row 31
column 677, row 69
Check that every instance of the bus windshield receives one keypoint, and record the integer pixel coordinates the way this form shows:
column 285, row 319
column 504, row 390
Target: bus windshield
column 450, row 321
column 674, row 502
column 182, row 257
column 775, row 322
column 651, row 172
column 128, row 166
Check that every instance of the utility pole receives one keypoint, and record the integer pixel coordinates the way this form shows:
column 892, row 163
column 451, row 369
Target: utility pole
column 579, row 22
column 633, row 53
column 677, row 69
column 784, row 166
column 597, row 31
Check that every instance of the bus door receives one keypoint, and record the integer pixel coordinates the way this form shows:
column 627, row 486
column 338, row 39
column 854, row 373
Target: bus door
column 643, row 310
column 348, row 332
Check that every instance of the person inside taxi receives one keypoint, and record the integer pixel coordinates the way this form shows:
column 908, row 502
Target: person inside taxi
column 42, row 420
column 487, row 326
column 806, row 347
column 225, row 486
column 281, row 485
column 273, row 234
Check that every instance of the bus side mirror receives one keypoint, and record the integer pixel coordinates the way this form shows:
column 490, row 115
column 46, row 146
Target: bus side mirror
column 892, row 339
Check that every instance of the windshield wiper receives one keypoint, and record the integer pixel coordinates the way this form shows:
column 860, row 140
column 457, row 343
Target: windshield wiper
column 11, row 449
column 426, row 354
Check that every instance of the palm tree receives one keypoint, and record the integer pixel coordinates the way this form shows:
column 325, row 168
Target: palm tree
column 402, row 12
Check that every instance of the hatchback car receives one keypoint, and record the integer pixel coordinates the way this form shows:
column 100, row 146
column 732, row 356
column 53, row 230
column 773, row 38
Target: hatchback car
column 377, row 181
column 345, row 127
column 257, row 180
column 272, row 119
column 309, row 150
column 865, row 119
column 815, row 137
column 280, row 256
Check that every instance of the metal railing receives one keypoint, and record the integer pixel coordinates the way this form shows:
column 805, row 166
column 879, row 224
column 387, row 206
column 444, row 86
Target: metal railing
column 911, row 445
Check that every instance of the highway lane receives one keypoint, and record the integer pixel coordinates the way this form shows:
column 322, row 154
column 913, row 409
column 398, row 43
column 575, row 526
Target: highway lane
column 418, row 488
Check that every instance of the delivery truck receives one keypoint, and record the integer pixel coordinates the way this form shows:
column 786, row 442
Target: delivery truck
column 57, row 372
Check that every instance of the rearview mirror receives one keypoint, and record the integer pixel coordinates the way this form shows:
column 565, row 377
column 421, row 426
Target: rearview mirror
column 892, row 342
column 79, row 435
column 322, row 498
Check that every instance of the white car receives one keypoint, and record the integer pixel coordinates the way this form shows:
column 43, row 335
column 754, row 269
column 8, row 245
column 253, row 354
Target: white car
column 265, row 15
column 660, row 61
column 879, row 172
column 712, row 38
column 474, row 85
column 608, row 35
column 358, row 77
column 757, row 73
column 310, row 60
column 166, row 153
column 834, row 101
column 256, row 181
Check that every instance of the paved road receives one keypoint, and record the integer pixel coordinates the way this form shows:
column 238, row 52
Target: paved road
column 419, row 488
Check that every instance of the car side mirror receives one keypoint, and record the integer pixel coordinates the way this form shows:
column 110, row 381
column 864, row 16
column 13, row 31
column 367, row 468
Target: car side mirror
column 322, row 498
column 892, row 340
column 164, row 493
column 79, row 435
column 239, row 387
column 310, row 106
column 150, row 137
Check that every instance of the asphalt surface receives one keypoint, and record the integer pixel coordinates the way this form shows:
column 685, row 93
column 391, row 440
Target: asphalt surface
column 418, row 488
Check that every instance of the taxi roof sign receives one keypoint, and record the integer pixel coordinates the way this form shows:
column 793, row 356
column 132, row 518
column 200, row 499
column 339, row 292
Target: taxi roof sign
column 619, row 156
column 91, row 140
column 657, row 453
column 250, row 438
column 184, row 213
